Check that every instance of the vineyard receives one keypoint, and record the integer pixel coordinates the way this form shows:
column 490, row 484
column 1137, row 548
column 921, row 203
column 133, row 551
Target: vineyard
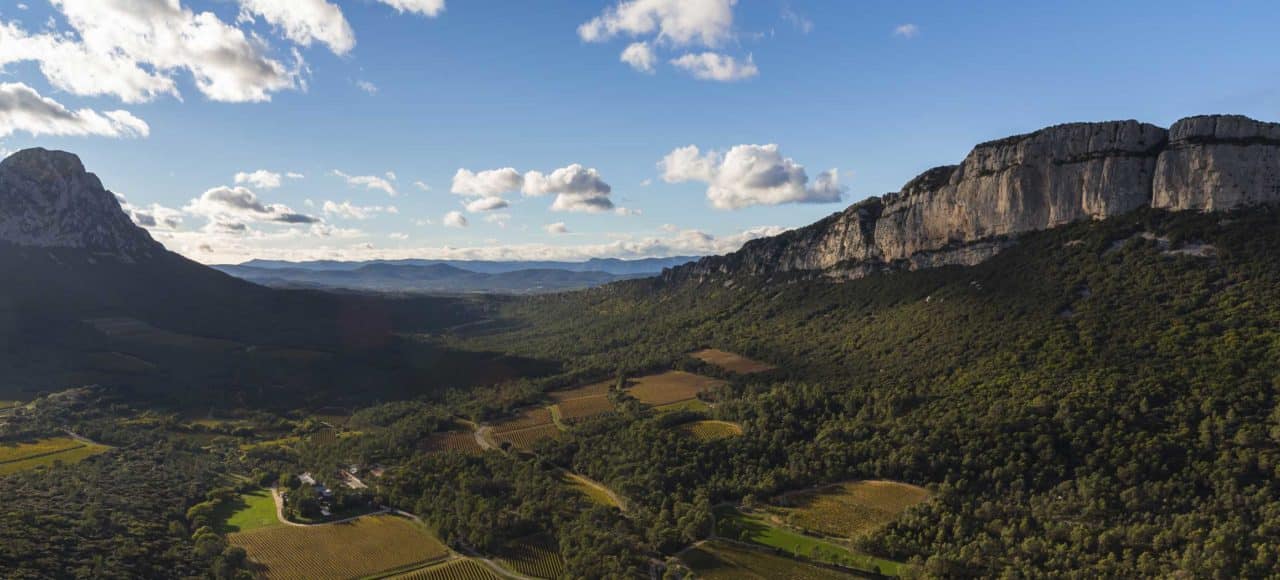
column 711, row 430
column 592, row 390
column 734, row 363
column 451, row 441
column 362, row 547
column 670, row 387
column 44, row 452
column 850, row 509
column 525, row 438
column 592, row 490
column 529, row 418
column 536, row 556
column 720, row 560
column 459, row 569
column 584, row 407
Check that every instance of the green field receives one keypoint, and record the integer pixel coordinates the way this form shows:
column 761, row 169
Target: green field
column 721, row 560
column 45, row 452
column 249, row 511
column 735, row 525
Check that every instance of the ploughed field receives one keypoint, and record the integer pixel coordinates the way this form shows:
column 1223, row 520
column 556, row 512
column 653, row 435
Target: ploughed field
column 670, row 387
column 362, row 547
column 24, row 455
column 734, row 363
column 848, row 510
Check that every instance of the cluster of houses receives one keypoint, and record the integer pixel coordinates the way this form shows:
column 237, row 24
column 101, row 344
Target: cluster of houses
column 324, row 495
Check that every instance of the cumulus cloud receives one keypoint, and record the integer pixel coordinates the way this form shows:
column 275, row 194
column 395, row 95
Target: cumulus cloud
column 907, row 31
column 24, row 109
column 750, row 175
column 264, row 179
column 356, row 212
column 557, row 228
column 713, row 66
column 233, row 207
column 132, row 49
column 370, row 181
column 304, row 21
column 640, row 56
column 481, row 204
column 428, row 8
column 455, row 219
column 577, row 188
column 490, row 183
column 155, row 217
column 680, row 22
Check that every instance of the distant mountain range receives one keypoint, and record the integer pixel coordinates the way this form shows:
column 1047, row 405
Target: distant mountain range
column 449, row 276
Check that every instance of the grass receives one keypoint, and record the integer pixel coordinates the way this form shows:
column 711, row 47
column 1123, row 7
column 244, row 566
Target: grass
column 44, row 453
column 458, row 569
column 362, row 547
column 848, row 510
column 735, row 525
column 734, row 363
column 670, row 387
column 249, row 511
column 536, row 556
column 711, row 430
column 720, row 560
column 594, row 491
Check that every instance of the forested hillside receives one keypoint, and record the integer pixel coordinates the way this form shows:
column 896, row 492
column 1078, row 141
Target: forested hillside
column 1099, row 400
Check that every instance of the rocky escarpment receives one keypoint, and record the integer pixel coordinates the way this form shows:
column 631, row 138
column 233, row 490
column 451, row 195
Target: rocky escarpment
column 47, row 199
column 964, row 214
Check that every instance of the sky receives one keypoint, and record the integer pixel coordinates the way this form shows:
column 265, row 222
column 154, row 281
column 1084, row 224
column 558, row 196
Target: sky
column 570, row 129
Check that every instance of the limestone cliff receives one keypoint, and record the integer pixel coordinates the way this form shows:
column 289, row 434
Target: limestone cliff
column 964, row 214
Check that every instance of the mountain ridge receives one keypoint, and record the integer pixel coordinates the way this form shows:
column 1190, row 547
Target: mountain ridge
column 964, row 214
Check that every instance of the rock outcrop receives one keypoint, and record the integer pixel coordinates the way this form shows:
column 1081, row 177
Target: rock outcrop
column 964, row 214
column 47, row 199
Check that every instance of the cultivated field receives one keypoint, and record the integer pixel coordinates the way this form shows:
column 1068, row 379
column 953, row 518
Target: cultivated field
column 529, row 418
column 734, row 363
column 584, row 407
column 525, row 438
column 249, row 511
column 361, row 547
column 670, row 387
column 594, row 491
column 695, row 405
column 746, row 527
column 711, row 430
column 536, row 556
column 15, row 457
column 720, row 560
column 459, row 569
column 849, row 510
column 592, row 390
column 451, row 441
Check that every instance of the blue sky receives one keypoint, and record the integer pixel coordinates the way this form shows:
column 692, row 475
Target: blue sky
column 877, row 91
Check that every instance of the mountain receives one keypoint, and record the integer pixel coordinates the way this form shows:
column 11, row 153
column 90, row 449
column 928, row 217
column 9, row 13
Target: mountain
column 964, row 214
column 92, row 298
column 436, row 278
column 615, row 266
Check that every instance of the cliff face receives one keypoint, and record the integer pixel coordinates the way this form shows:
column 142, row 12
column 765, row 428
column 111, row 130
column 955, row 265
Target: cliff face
column 964, row 214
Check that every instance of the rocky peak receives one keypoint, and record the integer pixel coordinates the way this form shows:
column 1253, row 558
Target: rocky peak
column 47, row 199
column 963, row 214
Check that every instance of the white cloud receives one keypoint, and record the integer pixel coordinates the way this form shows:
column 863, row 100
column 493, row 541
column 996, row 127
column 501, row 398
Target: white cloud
column 455, row 219
column 370, row 182
column 481, row 204
column 422, row 185
column 113, row 40
column 498, row 219
column 398, row 236
column 488, row 183
column 428, row 8
column 907, row 31
column 356, row 212
column 155, row 217
column 232, row 207
column 800, row 21
column 557, row 228
column 679, row 22
column 577, row 189
column 24, row 109
column 367, row 87
column 304, row 21
column 669, row 228
column 294, row 175
column 261, row 179
column 750, row 175
column 640, row 56
column 626, row 211
column 712, row 66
